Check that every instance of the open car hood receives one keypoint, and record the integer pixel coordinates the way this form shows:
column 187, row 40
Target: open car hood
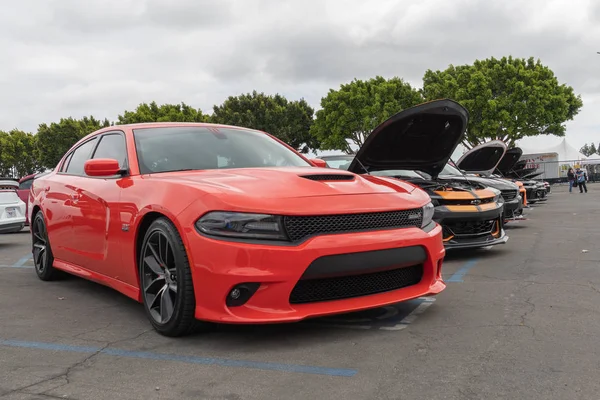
column 420, row 138
column 510, row 159
column 483, row 159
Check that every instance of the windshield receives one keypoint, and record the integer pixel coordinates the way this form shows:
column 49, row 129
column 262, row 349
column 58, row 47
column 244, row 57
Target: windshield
column 339, row 163
column 450, row 170
column 200, row 148
column 404, row 173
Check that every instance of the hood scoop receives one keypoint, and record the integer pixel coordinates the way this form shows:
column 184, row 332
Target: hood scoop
column 328, row 177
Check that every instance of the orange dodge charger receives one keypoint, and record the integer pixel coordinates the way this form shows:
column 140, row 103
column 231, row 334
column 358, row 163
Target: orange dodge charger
column 214, row 223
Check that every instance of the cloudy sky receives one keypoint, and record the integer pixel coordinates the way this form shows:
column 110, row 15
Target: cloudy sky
column 63, row 58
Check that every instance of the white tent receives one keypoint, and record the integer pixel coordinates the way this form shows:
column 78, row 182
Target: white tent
column 593, row 159
column 563, row 150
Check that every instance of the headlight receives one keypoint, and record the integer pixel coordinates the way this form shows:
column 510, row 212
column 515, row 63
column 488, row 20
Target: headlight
column 242, row 225
column 428, row 210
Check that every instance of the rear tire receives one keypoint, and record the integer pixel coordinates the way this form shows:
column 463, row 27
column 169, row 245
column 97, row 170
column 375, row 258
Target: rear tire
column 41, row 250
column 166, row 284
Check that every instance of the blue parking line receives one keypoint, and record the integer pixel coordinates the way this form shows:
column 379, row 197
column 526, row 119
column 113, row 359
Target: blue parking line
column 458, row 275
column 22, row 261
column 306, row 369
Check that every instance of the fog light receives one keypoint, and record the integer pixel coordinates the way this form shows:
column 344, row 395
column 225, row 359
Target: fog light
column 241, row 293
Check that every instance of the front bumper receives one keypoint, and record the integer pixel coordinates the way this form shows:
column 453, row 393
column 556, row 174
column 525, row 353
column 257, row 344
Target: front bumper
column 341, row 263
column 513, row 208
column 471, row 229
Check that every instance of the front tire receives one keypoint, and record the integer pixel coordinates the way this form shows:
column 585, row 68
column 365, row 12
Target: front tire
column 41, row 250
column 166, row 280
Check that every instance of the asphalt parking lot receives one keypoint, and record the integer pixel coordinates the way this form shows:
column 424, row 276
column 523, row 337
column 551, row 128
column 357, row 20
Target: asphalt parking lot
column 518, row 321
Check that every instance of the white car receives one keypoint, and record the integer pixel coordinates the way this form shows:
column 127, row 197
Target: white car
column 12, row 208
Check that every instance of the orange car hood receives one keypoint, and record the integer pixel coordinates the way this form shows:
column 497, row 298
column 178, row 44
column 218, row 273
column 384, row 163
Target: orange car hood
column 285, row 190
column 284, row 183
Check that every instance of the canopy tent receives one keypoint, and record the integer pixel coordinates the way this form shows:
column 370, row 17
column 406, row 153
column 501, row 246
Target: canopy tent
column 564, row 151
column 593, row 159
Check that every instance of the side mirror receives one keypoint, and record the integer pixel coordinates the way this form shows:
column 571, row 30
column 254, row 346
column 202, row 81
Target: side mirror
column 317, row 162
column 102, row 167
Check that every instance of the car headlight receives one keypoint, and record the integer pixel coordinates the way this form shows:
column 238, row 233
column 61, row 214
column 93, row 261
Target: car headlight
column 428, row 211
column 242, row 225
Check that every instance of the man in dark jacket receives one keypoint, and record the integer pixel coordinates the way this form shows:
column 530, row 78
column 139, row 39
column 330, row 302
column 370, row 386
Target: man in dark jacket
column 582, row 178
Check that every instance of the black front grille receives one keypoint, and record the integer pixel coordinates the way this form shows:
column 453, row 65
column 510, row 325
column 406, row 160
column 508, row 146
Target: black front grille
column 464, row 202
column 509, row 195
column 301, row 227
column 471, row 227
column 329, row 177
column 313, row 290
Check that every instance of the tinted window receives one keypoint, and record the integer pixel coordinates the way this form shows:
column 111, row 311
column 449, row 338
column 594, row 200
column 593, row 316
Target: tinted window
column 198, row 148
column 339, row 163
column 398, row 173
column 79, row 157
column 112, row 146
column 26, row 185
column 63, row 168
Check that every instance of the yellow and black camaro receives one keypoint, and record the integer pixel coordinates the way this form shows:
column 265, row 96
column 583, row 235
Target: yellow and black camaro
column 415, row 147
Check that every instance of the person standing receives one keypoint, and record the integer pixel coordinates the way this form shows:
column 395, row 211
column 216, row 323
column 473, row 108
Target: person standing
column 581, row 180
column 571, row 179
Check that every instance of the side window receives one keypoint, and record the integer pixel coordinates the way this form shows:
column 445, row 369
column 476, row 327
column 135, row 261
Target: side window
column 80, row 156
column 112, row 146
column 63, row 167
column 26, row 185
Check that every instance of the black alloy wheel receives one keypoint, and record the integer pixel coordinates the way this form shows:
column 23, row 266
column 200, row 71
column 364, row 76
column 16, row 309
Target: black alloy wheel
column 41, row 250
column 166, row 280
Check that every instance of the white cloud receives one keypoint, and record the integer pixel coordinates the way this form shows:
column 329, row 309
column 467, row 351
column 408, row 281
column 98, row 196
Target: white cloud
column 100, row 57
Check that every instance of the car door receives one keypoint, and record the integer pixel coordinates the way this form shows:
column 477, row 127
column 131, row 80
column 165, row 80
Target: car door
column 23, row 191
column 96, row 224
column 60, row 201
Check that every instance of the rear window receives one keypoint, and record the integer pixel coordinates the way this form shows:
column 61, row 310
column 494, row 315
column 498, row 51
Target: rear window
column 201, row 148
column 26, row 185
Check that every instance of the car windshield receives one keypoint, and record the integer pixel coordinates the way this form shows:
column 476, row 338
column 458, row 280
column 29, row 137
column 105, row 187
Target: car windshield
column 339, row 163
column 167, row 149
column 401, row 173
column 450, row 170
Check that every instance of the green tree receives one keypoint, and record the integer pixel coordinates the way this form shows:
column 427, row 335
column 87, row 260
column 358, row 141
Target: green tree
column 54, row 140
column 508, row 98
column 164, row 113
column 593, row 148
column 17, row 154
column 289, row 121
column 587, row 150
column 349, row 114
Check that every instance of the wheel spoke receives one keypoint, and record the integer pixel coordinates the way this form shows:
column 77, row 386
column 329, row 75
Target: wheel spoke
column 173, row 287
column 37, row 253
column 157, row 298
column 38, row 237
column 155, row 254
column 154, row 265
column 166, row 306
column 155, row 285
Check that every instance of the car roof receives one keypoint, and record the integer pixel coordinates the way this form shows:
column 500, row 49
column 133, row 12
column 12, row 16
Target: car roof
column 142, row 125
column 147, row 125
